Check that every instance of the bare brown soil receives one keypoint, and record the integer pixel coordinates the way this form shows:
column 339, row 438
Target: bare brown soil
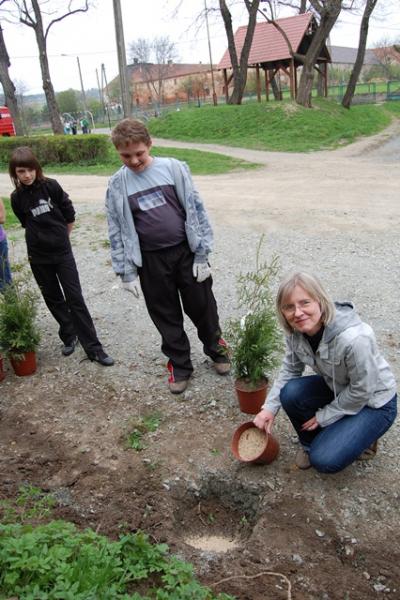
column 65, row 428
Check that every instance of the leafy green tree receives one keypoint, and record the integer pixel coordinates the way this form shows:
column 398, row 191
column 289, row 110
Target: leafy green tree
column 67, row 101
column 95, row 108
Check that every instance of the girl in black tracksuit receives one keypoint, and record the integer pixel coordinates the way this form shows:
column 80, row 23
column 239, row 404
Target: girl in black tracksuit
column 47, row 215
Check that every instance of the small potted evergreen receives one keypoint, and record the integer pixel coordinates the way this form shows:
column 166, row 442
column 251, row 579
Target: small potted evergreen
column 254, row 338
column 19, row 335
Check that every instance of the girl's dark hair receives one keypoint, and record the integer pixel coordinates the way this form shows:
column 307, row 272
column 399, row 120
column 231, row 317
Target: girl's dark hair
column 23, row 157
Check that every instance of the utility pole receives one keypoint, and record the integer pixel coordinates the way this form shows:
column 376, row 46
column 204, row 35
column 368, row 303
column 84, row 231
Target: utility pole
column 209, row 51
column 105, row 84
column 119, row 35
column 82, row 86
column 100, row 91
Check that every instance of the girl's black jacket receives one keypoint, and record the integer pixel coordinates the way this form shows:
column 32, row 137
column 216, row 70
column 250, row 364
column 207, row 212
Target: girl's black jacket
column 44, row 210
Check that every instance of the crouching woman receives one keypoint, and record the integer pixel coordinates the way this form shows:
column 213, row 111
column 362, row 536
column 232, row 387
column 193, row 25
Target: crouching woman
column 339, row 412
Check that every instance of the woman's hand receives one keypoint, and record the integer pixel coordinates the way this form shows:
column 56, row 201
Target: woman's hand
column 310, row 425
column 264, row 420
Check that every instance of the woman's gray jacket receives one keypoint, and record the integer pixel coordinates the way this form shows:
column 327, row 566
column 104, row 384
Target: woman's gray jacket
column 126, row 255
column 347, row 358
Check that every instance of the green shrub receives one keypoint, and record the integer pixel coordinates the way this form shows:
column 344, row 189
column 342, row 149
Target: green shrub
column 63, row 149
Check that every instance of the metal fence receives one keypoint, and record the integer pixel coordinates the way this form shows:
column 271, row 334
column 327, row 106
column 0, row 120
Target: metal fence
column 365, row 93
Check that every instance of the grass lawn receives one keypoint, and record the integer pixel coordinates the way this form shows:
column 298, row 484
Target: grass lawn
column 200, row 163
column 283, row 126
column 11, row 219
column 393, row 107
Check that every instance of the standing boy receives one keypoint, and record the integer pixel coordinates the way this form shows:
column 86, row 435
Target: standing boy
column 160, row 234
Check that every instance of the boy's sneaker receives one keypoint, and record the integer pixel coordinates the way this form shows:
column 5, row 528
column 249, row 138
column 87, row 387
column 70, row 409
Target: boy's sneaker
column 178, row 387
column 222, row 368
column 69, row 348
column 302, row 459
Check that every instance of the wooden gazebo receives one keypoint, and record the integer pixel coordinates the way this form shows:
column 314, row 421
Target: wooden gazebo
column 270, row 52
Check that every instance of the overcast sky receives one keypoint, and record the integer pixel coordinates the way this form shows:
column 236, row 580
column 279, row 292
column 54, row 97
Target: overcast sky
column 91, row 36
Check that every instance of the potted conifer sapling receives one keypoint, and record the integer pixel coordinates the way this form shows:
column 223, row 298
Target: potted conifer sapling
column 255, row 339
column 19, row 334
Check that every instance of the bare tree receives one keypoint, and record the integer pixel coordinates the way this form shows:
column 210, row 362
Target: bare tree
column 156, row 59
column 355, row 73
column 31, row 14
column 140, row 51
column 10, row 96
column 239, row 65
column 328, row 12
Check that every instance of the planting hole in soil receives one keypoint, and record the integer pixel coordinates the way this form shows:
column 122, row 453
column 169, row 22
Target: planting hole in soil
column 217, row 514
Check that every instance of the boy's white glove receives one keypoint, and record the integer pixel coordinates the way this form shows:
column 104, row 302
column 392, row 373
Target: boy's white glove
column 132, row 286
column 201, row 271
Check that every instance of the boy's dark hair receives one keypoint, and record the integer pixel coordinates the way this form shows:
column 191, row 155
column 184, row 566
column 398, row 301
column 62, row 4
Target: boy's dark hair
column 130, row 130
column 23, row 157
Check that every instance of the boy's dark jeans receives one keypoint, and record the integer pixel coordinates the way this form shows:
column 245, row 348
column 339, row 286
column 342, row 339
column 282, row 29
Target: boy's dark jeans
column 167, row 281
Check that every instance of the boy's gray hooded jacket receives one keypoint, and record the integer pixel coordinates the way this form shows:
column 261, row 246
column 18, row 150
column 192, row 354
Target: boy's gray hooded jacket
column 126, row 256
column 349, row 361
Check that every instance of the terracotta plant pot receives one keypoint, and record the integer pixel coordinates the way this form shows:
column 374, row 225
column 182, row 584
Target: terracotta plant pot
column 2, row 372
column 26, row 365
column 251, row 398
column 253, row 445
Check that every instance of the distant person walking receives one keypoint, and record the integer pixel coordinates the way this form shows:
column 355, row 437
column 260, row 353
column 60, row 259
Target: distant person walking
column 85, row 125
column 47, row 215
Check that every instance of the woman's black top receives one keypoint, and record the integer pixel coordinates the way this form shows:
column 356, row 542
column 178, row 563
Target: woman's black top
column 315, row 339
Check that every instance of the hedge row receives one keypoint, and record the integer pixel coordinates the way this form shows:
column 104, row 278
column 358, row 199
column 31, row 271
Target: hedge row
column 50, row 149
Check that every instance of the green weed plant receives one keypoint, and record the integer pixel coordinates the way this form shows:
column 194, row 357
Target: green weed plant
column 138, row 428
column 30, row 504
column 56, row 561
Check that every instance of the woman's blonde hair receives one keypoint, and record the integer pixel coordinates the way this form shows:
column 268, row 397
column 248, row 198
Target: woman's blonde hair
column 311, row 285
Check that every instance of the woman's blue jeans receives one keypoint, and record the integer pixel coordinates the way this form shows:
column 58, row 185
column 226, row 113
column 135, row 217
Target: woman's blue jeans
column 336, row 446
column 5, row 273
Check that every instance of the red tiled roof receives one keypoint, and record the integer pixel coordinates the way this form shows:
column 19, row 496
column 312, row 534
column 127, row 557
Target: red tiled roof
column 268, row 43
column 140, row 73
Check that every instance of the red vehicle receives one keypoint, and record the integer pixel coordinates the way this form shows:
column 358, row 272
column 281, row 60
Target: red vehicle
column 6, row 123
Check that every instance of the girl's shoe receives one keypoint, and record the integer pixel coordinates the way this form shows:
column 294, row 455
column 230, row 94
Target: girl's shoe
column 102, row 358
column 69, row 348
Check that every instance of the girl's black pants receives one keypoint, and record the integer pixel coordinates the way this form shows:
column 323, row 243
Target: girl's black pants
column 61, row 290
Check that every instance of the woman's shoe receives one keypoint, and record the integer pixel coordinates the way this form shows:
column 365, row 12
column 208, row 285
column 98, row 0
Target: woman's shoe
column 370, row 452
column 302, row 459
